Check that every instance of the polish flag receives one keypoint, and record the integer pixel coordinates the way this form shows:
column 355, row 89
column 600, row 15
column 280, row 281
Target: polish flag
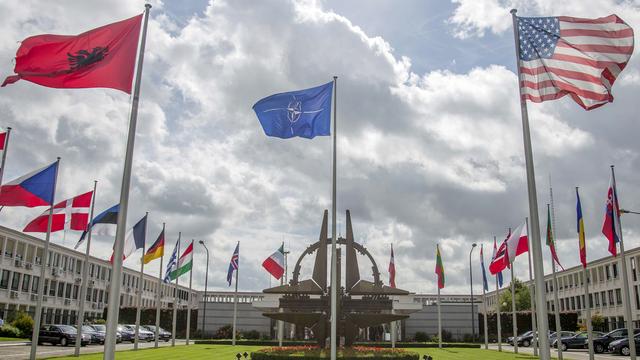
column 517, row 243
column 71, row 214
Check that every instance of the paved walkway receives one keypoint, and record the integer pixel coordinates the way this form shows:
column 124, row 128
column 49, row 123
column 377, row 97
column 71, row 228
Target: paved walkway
column 570, row 354
column 21, row 352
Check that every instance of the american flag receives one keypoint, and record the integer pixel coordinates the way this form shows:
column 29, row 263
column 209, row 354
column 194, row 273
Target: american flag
column 566, row 55
column 233, row 265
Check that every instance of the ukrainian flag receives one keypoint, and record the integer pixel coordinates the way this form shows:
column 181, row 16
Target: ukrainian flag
column 156, row 250
column 581, row 237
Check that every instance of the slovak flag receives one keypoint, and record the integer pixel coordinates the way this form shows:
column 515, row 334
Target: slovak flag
column 72, row 214
column 274, row 264
column 31, row 190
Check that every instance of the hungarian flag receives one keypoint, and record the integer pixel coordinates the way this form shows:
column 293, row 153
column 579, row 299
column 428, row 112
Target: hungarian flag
column 103, row 57
column 517, row 243
column 72, row 214
column 392, row 270
column 31, row 190
column 611, row 222
column 581, row 237
column 550, row 240
column 439, row 268
column 274, row 264
column 185, row 263
column 156, row 250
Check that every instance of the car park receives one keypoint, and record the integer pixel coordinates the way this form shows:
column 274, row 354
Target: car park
column 61, row 334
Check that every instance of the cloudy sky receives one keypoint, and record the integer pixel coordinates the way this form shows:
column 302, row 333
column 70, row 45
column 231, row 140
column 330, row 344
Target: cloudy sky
column 429, row 146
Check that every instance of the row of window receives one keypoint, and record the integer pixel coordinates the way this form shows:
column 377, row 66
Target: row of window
column 573, row 303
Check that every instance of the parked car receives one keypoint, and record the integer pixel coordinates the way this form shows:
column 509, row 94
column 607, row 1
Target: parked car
column 126, row 334
column 563, row 335
column 621, row 346
column 510, row 339
column 578, row 341
column 143, row 334
column 102, row 329
column 61, row 334
column 162, row 333
column 527, row 340
column 601, row 343
column 96, row 337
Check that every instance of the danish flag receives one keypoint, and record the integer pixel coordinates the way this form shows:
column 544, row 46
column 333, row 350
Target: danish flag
column 71, row 214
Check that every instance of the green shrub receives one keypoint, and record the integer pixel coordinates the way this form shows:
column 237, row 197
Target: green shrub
column 7, row 330
column 421, row 336
column 100, row 321
column 24, row 323
column 251, row 335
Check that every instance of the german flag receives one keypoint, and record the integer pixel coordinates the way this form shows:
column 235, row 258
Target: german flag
column 156, row 250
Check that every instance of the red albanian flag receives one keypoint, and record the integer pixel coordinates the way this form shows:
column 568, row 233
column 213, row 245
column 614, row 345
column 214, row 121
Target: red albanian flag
column 103, row 57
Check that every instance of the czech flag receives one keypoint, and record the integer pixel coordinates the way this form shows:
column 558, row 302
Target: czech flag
column 31, row 190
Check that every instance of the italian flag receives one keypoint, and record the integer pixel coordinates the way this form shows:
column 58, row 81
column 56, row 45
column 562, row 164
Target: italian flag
column 274, row 264
column 185, row 263
column 439, row 268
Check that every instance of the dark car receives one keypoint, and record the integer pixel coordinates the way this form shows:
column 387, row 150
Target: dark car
column 511, row 339
column 527, row 338
column 96, row 337
column 621, row 346
column 563, row 335
column 162, row 333
column 578, row 341
column 143, row 334
column 102, row 329
column 61, row 334
column 601, row 344
column 126, row 333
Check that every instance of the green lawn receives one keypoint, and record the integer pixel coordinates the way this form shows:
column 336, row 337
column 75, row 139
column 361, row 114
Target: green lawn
column 227, row 352
column 11, row 339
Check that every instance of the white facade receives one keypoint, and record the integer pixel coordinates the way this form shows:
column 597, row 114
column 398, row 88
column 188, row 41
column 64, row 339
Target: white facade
column 605, row 290
column 20, row 262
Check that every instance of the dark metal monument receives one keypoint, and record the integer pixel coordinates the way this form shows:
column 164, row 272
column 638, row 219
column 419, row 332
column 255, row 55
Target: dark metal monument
column 361, row 303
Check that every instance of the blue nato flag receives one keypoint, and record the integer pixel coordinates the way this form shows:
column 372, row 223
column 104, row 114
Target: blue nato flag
column 303, row 113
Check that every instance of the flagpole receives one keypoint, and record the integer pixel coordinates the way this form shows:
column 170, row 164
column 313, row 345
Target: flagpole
column 498, row 307
column 334, row 268
column 45, row 254
column 116, row 273
column 140, row 287
column 625, row 276
column 541, row 311
column 532, row 290
column 280, row 322
column 4, row 153
column 514, row 318
column 439, row 321
column 189, row 295
column 175, row 295
column 85, row 275
column 235, row 301
column 484, row 300
column 555, row 278
column 159, row 294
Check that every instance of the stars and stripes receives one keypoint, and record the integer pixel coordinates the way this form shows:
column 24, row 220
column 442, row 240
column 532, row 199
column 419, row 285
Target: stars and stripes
column 572, row 56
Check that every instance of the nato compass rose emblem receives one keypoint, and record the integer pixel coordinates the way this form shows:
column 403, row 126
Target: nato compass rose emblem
column 294, row 111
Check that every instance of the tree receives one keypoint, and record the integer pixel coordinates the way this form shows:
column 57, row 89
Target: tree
column 597, row 322
column 24, row 323
column 523, row 297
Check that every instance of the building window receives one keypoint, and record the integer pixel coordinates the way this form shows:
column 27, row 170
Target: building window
column 604, row 298
column 590, row 301
column 614, row 266
column 635, row 291
column 34, row 284
column 573, row 303
column 618, row 297
column 606, row 269
column 52, row 288
column 611, row 300
column 578, row 303
column 15, row 282
column 633, row 269
column 60, row 289
column 4, row 280
column 75, row 292
column 67, row 293
column 597, row 298
column 25, row 282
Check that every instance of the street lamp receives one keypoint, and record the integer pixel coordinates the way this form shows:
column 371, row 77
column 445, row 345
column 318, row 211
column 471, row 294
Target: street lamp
column 473, row 329
column 206, row 278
